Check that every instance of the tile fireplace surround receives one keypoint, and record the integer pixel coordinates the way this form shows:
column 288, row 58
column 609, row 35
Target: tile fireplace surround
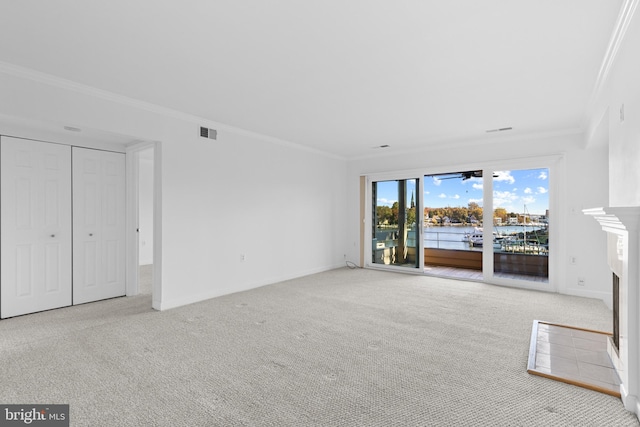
column 622, row 225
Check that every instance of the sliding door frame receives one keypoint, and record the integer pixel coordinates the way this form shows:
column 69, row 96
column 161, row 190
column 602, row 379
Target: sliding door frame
column 557, row 189
column 557, row 194
column 368, row 221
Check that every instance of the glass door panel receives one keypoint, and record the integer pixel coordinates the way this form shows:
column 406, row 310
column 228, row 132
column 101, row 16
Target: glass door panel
column 453, row 220
column 521, row 224
column 394, row 234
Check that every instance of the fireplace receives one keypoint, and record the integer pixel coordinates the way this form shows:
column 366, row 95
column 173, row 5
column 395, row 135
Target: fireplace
column 622, row 225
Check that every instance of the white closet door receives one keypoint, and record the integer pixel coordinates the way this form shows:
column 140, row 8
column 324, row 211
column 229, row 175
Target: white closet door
column 35, row 231
column 98, row 225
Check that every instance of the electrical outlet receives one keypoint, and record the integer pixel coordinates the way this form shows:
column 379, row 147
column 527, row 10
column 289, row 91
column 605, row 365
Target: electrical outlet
column 573, row 260
column 243, row 258
column 581, row 281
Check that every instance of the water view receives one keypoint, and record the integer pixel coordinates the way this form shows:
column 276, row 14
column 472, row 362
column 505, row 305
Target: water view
column 461, row 237
column 451, row 207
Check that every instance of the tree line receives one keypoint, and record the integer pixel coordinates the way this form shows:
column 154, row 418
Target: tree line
column 388, row 215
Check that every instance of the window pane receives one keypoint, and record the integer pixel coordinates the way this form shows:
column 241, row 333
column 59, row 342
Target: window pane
column 394, row 224
column 521, row 224
column 453, row 223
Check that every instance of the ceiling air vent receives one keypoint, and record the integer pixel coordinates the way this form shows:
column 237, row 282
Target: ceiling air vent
column 208, row 133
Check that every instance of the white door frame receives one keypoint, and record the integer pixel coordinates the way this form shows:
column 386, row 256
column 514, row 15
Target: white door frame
column 133, row 200
column 557, row 190
column 368, row 220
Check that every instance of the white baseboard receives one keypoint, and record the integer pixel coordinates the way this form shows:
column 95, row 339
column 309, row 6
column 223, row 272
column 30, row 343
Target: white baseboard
column 218, row 292
column 606, row 297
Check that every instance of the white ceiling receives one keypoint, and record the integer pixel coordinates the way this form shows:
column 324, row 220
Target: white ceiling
column 341, row 76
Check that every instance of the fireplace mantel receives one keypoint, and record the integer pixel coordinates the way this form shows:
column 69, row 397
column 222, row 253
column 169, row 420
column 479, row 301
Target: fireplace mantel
column 622, row 225
column 624, row 218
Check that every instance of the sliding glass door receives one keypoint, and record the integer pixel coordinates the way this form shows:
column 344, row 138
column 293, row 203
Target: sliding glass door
column 493, row 224
column 395, row 223
column 521, row 224
column 453, row 219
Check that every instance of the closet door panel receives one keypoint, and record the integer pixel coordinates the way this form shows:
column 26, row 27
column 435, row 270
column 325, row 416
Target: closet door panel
column 35, row 226
column 98, row 225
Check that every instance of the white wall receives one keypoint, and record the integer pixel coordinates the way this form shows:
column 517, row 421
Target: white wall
column 283, row 207
column 583, row 183
column 624, row 137
column 620, row 139
column 587, row 187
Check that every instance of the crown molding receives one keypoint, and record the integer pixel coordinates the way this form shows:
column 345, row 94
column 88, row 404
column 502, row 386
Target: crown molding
column 439, row 144
column 90, row 91
column 617, row 36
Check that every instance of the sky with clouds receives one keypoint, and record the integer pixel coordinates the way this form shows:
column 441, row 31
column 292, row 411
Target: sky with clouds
column 512, row 190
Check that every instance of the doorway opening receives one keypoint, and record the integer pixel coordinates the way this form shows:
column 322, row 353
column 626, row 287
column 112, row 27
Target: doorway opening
column 453, row 219
column 144, row 231
column 145, row 220
column 395, row 231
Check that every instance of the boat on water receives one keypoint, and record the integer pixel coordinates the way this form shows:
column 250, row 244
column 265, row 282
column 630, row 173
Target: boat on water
column 476, row 238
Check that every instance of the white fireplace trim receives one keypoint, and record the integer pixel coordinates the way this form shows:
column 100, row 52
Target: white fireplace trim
column 622, row 225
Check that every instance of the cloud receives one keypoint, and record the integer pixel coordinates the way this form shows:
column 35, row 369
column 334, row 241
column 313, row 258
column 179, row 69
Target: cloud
column 543, row 175
column 528, row 200
column 528, row 191
column 504, row 199
column 455, row 196
column 427, row 192
column 477, row 186
column 542, row 190
column 504, row 176
column 387, row 202
column 436, row 181
column 442, row 196
column 506, row 195
column 478, row 201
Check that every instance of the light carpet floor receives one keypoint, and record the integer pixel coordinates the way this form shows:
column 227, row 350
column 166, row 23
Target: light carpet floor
column 340, row 348
column 145, row 278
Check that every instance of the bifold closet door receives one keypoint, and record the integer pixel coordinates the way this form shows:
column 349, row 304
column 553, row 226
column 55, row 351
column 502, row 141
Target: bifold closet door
column 98, row 225
column 35, row 231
